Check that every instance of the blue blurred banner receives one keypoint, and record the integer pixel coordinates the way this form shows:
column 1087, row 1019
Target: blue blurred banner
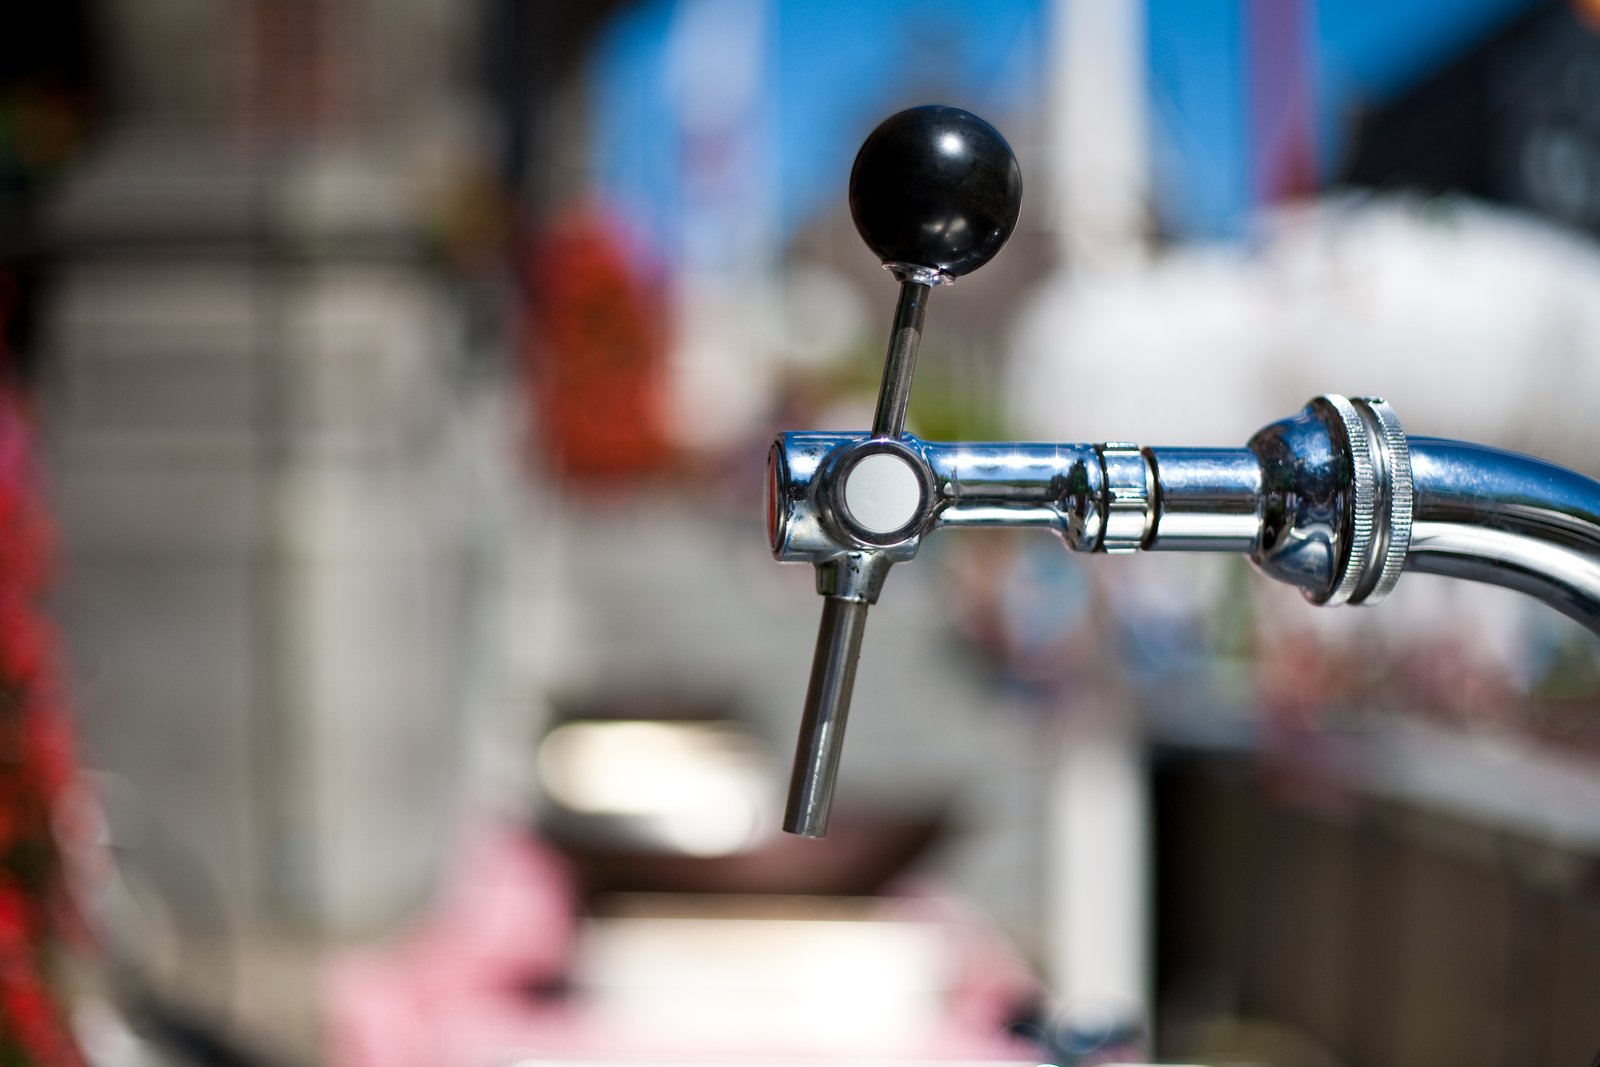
column 705, row 108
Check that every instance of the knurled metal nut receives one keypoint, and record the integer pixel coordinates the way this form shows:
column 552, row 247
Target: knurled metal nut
column 1363, row 498
column 1401, row 494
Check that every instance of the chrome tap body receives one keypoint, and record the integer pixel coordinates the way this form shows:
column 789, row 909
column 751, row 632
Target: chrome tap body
column 1308, row 502
column 1334, row 500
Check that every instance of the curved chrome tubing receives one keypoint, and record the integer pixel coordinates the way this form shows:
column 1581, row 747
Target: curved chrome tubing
column 1335, row 500
column 1502, row 518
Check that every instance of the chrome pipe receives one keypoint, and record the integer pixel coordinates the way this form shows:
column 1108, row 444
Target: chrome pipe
column 1054, row 486
column 1207, row 500
column 1492, row 516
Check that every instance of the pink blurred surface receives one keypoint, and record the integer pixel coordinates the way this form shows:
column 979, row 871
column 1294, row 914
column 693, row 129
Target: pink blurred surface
column 463, row 985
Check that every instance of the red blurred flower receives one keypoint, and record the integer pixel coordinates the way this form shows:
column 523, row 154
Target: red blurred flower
column 15, row 924
column 32, row 1019
column 36, row 762
column 596, row 353
column 24, row 640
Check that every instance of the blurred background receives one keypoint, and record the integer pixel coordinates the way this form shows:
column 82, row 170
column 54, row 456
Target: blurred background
column 402, row 375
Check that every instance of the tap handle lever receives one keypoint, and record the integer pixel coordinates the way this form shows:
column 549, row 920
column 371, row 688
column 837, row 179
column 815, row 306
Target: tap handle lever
column 935, row 192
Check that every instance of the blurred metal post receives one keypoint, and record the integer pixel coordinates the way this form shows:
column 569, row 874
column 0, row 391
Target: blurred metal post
column 1097, row 875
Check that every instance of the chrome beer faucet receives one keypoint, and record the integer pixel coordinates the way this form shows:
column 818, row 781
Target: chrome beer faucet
column 1335, row 499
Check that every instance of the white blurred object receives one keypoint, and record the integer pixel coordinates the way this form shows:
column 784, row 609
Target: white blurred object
column 822, row 318
column 721, row 374
column 106, row 1038
column 1098, row 154
column 1098, row 857
column 1098, row 832
column 702, row 788
column 727, row 243
column 851, row 984
column 1474, row 322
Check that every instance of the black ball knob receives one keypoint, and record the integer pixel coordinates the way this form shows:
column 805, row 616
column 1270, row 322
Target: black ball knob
column 936, row 187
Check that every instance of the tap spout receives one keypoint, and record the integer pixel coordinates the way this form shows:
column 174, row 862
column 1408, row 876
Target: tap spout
column 816, row 757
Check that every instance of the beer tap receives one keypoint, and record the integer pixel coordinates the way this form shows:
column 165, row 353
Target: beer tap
column 1336, row 499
